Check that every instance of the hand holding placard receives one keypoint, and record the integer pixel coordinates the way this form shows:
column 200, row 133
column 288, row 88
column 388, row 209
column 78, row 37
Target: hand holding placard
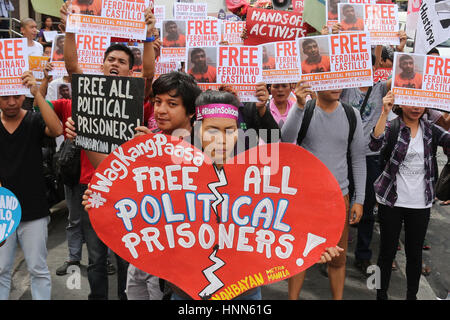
column 388, row 102
column 302, row 90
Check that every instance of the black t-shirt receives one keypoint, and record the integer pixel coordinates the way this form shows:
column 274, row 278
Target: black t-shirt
column 21, row 167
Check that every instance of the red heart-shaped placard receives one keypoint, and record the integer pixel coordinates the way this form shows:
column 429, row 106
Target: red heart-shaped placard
column 160, row 204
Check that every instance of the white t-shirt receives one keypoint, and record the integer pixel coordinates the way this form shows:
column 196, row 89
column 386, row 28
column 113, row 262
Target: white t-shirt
column 36, row 50
column 411, row 176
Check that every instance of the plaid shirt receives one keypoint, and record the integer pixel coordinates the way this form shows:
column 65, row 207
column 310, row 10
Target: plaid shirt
column 386, row 185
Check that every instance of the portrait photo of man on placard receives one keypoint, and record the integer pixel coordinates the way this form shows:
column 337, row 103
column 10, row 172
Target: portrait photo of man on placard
column 408, row 71
column 314, row 55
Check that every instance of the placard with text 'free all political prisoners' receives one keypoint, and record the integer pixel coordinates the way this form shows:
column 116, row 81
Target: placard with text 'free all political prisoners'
column 421, row 81
column 106, row 110
column 336, row 61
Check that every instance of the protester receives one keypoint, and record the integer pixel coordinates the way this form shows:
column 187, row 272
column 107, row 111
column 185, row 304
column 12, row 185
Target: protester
column 405, row 189
column 118, row 61
column 47, row 47
column 21, row 138
column 28, row 28
column 327, row 138
column 48, row 26
column 256, row 116
column 280, row 104
column 174, row 109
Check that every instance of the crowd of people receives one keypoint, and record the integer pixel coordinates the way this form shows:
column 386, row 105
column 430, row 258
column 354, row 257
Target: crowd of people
column 345, row 129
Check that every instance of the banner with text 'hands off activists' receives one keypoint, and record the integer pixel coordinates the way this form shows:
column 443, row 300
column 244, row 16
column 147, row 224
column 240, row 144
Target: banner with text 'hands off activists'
column 106, row 110
column 272, row 25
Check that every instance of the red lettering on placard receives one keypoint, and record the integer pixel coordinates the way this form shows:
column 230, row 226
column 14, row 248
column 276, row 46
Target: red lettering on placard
column 351, row 43
column 380, row 11
column 11, row 49
column 202, row 27
column 233, row 28
column 88, row 42
column 239, row 56
column 438, row 66
column 286, row 49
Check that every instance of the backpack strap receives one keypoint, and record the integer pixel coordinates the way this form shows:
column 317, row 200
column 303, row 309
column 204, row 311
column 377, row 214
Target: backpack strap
column 364, row 104
column 351, row 117
column 308, row 113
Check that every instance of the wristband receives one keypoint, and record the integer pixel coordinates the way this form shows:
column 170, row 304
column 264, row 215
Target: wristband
column 150, row 39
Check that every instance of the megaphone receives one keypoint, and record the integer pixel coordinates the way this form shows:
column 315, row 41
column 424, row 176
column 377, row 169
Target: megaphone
column 281, row 4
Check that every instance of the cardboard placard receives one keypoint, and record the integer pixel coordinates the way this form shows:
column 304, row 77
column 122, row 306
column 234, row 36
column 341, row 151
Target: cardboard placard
column 164, row 67
column 138, row 54
column 172, row 213
column 113, row 18
column 240, row 67
column 190, row 11
column 106, row 109
column 272, row 25
column 232, row 31
column 37, row 65
column 13, row 63
column 298, row 5
column 90, row 50
column 203, row 33
column 173, row 48
column 422, row 81
column 281, row 62
column 50, row 35
column 336, row 61
column 331, row 7
column 381, row 20
column 160, row 15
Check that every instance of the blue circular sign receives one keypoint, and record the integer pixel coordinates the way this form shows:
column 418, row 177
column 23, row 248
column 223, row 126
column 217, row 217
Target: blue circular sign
column 10, row 213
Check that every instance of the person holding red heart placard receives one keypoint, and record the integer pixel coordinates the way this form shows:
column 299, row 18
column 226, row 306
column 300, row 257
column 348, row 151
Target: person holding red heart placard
column 216, row 136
